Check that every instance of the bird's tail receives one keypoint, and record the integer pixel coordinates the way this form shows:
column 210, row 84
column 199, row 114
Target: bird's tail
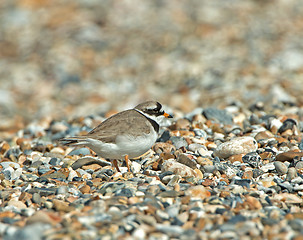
column 73, row 141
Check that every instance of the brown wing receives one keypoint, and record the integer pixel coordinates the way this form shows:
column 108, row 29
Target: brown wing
column 126, row 122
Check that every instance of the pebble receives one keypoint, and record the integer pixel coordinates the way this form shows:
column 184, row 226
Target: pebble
column 178, row 168
column 198, row 192
column 220, row 116
column 179, row 142
column 80, row 151
column 252, row 158
column 281, row 168
column 288, row 156
column 291, row 174
column 163, row 147
column 54, row 161
column 10, row 164
column 88, row 161
column 238, row 145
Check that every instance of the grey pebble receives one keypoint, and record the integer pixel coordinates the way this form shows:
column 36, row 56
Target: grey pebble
column 87, row 161
column 36, row 164
column 9, row 164
column 80, row 151
column 13, row 153
column 27, row 212
column 124, row 192
column 200, row 132
column 296, row 224
column 54, row 161
column 62, row 190
column 184, row 159
column 30, row 232
column 291, row 174
column 170, row 230
column 8, row 173
column 299, row 164
column 217, row 115
column 179, row 142
column 257, row 172
column 43, row 169
column 253, row 159
column 280, row 167
column 42, row 191
column 165, row 136
column 194, row 147
column 286, row 185
column 209, row 168
column 36, row 198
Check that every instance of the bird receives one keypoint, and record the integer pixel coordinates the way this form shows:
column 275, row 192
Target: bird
column 125, row 135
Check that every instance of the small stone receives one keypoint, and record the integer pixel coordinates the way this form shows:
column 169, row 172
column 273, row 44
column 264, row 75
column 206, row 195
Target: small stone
column 299, row 165
column 252, row 158
column 60, row 205
column 40, row 217
column 80, row 151
column 236, row 158
column 248, row 174
column 291, row 174
column 184, row 159
column 194, row 147
column 72, row 174
column 218, row 116
column 266, row 155
column 238, row 145
column 58, row 150
column 288, row 156
column 203, row 151
column 62, row 190
column 253, row 203
column 264, row 135
column 4, row 147
column 268, row 182
column 165, row 136
column 174, row 180
column 209, row 168
column 280, row 167
column 8, row 173
column 16, row 203
column 94, row 167
column 9, row 164
column 55, row 161
column 257, row 172
column 182, row 124
column 87, row 161
column 170, row 230
column 139, row 233
column 85, row 189
column 268, row 167
column 178, row 168
column 288, row 198
column 36, row 198
column 198, row 192
column 288, row 124
column 178, row 142
column 204, row 161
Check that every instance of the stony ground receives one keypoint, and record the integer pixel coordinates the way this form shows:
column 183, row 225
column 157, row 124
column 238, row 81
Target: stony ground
column 228, row 166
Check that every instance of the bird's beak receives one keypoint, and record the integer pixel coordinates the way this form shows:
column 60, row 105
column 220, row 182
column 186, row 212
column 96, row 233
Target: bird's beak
column 167, row 115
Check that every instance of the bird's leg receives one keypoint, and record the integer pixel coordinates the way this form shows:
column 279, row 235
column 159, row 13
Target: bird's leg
column 115, row 163
column 127, row 163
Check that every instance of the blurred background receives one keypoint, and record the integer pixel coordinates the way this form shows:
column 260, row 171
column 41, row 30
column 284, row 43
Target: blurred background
column 65, row 58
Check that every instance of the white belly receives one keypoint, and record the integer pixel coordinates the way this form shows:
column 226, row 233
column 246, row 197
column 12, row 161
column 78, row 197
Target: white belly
column 125, row 145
